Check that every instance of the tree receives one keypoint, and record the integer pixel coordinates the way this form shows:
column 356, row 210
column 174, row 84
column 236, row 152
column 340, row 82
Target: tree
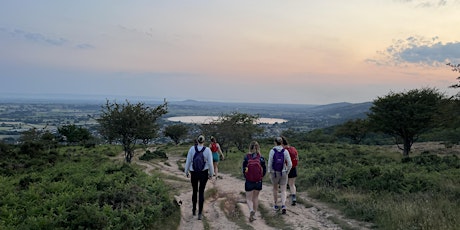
column 406, row 115
column 234, row 129
column 455, row 68
column 356, row 130
column 176, row 132
column 74, row 134
column 128, row 123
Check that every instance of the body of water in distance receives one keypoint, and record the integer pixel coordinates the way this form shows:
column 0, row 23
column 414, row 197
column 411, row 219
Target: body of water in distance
column 208, row 119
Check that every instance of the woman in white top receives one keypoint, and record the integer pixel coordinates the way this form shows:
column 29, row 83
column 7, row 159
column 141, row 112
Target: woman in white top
column 279, row 172
column 201, row 169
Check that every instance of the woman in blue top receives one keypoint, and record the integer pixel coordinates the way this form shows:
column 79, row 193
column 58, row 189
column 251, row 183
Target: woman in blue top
column 254, row 170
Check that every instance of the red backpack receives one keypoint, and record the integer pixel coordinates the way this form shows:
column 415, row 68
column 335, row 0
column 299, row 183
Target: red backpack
column 254, row 171
column 214, row 147
column 294, row 155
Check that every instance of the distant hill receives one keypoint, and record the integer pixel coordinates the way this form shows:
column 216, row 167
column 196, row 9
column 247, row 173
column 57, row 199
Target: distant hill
column 307, row 116
column 316, row 116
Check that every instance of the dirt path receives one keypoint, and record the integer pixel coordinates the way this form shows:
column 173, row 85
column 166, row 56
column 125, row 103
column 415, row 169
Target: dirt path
column 225, row 207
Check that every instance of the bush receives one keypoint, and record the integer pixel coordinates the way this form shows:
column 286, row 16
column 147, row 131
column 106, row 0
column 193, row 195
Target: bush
column 158, row 154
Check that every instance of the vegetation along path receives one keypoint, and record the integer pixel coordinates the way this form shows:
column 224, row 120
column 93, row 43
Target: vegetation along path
column 225, row 204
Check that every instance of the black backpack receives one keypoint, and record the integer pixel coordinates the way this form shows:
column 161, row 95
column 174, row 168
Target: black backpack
column 198, row 159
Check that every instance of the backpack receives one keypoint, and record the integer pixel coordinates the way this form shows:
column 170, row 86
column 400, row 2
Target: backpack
column 214, row 148
column 278, row 160
column 294, row 155
column 198, row 159
column 254, row 171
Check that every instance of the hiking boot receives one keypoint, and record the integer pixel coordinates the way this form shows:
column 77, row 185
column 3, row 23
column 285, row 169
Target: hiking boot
column 200, row 216
column 276, row 208
column 251, row 216
column 293, row 200
column 283, row 209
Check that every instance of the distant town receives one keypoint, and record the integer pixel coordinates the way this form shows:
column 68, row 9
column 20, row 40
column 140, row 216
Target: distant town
column 19, row 115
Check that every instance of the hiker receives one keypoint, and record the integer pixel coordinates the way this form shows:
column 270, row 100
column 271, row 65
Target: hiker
column 217, row 154
column 279, row 164
column 254, row 170
column 199, row 164
column 293, row 172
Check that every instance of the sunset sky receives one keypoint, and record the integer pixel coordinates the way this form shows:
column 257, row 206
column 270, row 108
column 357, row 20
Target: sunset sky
column 300, row 52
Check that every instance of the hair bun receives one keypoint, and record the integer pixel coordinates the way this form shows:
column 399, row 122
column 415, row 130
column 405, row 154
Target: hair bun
column 200, row 139
column 279, row 139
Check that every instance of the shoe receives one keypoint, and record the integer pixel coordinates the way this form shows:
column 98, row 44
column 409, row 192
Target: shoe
column 200, row 216
column 194, row 212
column 276, row 208
column 293, row 200
column 283, row 209
column 251, row 216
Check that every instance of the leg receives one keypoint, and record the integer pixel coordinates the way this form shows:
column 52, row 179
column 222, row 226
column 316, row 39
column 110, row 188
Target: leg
column 215, row 163
column 194, row 179
column 203, row 180
column 249, row 196
column 255, row 199
column 283, row 182
column 292, row 187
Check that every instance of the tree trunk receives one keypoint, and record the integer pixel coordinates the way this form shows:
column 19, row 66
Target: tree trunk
column 128, row 156
column 407, row 147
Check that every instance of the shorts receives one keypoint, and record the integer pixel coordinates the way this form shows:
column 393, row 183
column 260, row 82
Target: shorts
column 249, row 186
column 293, row 173
column 279, row 178
column 215, row 157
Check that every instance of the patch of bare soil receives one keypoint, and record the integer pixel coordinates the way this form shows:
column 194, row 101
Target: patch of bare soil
column 225, row 206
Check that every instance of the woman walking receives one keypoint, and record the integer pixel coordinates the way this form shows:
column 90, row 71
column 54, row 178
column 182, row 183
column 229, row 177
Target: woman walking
column 254, row 170
column 280, row 164
column 217, row 154
column 199, row 165
column 293, row 172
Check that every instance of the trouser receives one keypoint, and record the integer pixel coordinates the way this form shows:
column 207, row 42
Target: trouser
column 199, row 180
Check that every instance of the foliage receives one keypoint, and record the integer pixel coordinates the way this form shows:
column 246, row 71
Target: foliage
column 148, row 155
column 128, row 123
column 234, row 129
column 406, row 115
column 74, row 134
column 363, row 180
column 83, row 192
column 355, row 130
column 176, row 132
column 455, row 68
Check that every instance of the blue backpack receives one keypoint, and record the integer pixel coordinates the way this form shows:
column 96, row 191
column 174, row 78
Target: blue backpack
column 278, row 160
column 198, row 159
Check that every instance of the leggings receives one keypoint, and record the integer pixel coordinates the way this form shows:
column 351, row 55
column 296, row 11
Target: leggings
column 200, row 178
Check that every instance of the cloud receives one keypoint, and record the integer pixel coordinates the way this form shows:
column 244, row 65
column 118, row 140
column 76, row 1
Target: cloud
column 84, row 46
column 40, row 38
column 427, row 3
column 419, row 51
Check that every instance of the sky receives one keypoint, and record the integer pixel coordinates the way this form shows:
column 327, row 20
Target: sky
column 263, row 51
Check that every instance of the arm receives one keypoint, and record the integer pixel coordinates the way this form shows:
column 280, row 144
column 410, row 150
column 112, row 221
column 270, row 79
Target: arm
column 270, row 161
column 287, row 157
column 245, row 164
column 209, row 161
column 264, row 167
column 188, row 162
column 220, row 151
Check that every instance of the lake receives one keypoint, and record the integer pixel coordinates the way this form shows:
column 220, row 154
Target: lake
column 208, row 119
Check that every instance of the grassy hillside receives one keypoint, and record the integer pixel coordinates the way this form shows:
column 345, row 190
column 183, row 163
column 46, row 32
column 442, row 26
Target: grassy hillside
column 376, row 184
column 76, row 187
column 81, row 188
